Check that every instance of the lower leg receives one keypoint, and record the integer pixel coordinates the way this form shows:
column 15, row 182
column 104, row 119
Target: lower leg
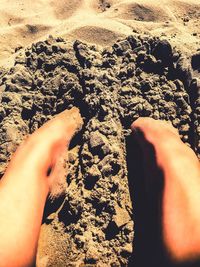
column 181, row 193
column 25, row 186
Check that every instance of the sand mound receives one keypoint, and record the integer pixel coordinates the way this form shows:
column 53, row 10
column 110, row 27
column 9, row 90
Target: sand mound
column 137, row 76
column 65, row 9
column 96, row 35
column 185, row 10
column 140, row 12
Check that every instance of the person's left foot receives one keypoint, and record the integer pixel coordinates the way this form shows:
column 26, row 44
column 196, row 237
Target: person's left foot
column 45, row 150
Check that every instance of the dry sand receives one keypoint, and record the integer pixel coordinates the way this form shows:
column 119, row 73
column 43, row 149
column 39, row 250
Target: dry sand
column 97, row 21
column 147, row 72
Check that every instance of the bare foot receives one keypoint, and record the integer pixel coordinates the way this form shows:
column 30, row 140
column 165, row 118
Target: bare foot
column 43, row 152
column 154, row 131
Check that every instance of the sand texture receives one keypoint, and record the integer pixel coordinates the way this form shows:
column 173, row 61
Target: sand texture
column 100, row 22
column 116, row 61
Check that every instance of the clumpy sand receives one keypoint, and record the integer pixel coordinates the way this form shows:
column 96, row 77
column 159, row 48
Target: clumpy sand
column 91, row 224
column 116, row 61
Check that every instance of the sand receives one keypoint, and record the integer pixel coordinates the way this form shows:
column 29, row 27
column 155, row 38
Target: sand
column 97, row 21
column 132, row 59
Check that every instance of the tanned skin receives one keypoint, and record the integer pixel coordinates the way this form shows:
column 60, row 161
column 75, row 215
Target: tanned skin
column 181, row 193
column 26, row 184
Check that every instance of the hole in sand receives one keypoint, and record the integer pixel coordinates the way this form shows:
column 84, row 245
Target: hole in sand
column 111, row 231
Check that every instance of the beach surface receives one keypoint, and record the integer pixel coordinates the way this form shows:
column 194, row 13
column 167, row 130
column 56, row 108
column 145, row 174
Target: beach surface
column 100, row 22
column 116, row 61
